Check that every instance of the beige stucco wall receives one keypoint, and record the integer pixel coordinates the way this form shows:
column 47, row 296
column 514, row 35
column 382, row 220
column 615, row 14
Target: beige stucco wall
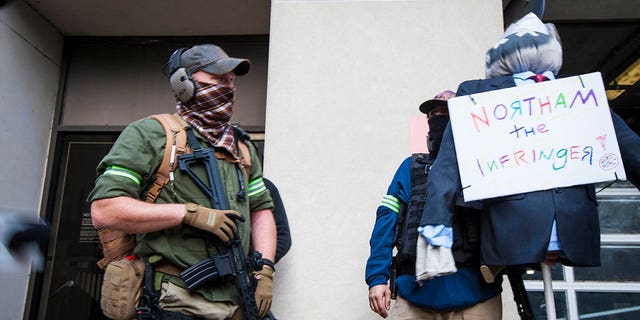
column 344, row 79
column 30, row 54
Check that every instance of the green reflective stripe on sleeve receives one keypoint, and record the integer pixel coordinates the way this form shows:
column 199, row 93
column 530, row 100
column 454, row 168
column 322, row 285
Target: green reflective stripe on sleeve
column 391, row 202
column 123, row 172
column 256, row 186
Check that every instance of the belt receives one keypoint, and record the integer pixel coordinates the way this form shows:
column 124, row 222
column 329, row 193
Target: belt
column 169, row 268
column 170, row 315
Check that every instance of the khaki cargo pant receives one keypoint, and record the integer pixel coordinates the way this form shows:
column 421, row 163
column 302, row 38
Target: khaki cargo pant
column 176, row 299
column 487, row 310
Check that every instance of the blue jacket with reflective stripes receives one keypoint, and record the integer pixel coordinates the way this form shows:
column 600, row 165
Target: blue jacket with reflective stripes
column 456, row 291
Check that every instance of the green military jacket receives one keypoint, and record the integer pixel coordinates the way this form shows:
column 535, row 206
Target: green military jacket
column 128, row 170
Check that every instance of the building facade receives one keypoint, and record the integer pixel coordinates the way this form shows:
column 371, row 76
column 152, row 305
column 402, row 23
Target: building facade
column 331, row 91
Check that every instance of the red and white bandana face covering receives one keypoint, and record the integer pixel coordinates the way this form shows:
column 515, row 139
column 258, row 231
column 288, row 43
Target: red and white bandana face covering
column 209, row 112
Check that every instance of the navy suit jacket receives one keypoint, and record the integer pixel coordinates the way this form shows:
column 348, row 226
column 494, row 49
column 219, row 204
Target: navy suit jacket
column 515, row 229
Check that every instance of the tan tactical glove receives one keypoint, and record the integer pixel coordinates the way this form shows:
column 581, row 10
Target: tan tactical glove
column 264, row 289
column 222, row 223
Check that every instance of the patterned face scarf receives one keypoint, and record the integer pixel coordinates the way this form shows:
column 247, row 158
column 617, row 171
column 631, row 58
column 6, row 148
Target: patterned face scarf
column 209, row 112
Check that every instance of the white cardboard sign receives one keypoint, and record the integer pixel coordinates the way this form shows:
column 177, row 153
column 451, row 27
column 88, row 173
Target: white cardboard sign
column 535, row 137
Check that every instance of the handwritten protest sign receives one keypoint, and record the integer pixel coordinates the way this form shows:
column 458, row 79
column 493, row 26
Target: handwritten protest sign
column 535, row 137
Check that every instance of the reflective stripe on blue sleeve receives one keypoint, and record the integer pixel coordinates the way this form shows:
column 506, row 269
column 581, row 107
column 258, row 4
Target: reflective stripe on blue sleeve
column 256, row 186
column 123, row 172
column 391, row 202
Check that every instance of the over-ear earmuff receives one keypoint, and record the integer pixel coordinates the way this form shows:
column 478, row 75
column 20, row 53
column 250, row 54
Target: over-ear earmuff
column 179, row 78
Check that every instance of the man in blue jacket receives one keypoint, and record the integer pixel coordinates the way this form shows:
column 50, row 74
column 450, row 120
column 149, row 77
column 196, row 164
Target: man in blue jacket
column 462, row 294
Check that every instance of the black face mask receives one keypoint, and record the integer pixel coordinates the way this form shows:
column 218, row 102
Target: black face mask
column 437, row 124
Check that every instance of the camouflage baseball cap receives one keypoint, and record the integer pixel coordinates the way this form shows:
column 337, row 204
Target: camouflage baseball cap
column 439, row 100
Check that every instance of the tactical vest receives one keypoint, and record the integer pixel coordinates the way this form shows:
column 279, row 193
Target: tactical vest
column 465, row 223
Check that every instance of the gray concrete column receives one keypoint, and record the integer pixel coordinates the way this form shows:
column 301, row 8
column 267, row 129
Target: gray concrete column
column 344, row 79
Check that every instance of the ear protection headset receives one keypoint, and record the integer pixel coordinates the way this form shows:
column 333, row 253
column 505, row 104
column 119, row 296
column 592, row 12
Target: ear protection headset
column 180, row 78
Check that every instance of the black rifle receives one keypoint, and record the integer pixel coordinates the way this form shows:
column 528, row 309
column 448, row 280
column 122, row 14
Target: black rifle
column 231, row 262
column 393, row 275
column 393, row 271
column 514, row 273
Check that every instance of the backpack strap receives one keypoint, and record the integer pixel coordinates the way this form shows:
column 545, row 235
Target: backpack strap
column 117, row 244
column 245, row 157
column 244, row 152
column 176, row 145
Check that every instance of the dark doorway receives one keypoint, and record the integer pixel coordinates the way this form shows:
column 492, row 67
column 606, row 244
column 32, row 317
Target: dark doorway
column 72, row 280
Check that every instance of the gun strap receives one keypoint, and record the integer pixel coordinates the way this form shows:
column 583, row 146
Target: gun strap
column 520, row 296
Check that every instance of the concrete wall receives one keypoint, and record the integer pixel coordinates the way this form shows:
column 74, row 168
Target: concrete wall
column 30, row 55
column 344, row 79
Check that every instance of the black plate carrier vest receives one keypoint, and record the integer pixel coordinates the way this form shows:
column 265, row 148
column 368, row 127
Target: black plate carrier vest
column 466, row 223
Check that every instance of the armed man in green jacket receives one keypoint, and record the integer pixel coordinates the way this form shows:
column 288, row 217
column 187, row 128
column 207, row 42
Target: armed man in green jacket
column 180, row 229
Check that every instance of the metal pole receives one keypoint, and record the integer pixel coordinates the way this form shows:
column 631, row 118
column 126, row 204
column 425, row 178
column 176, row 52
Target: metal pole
column 548, row 292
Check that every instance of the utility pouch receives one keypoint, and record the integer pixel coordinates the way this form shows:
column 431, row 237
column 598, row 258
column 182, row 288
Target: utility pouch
column 122, row 288
column 116, row 245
